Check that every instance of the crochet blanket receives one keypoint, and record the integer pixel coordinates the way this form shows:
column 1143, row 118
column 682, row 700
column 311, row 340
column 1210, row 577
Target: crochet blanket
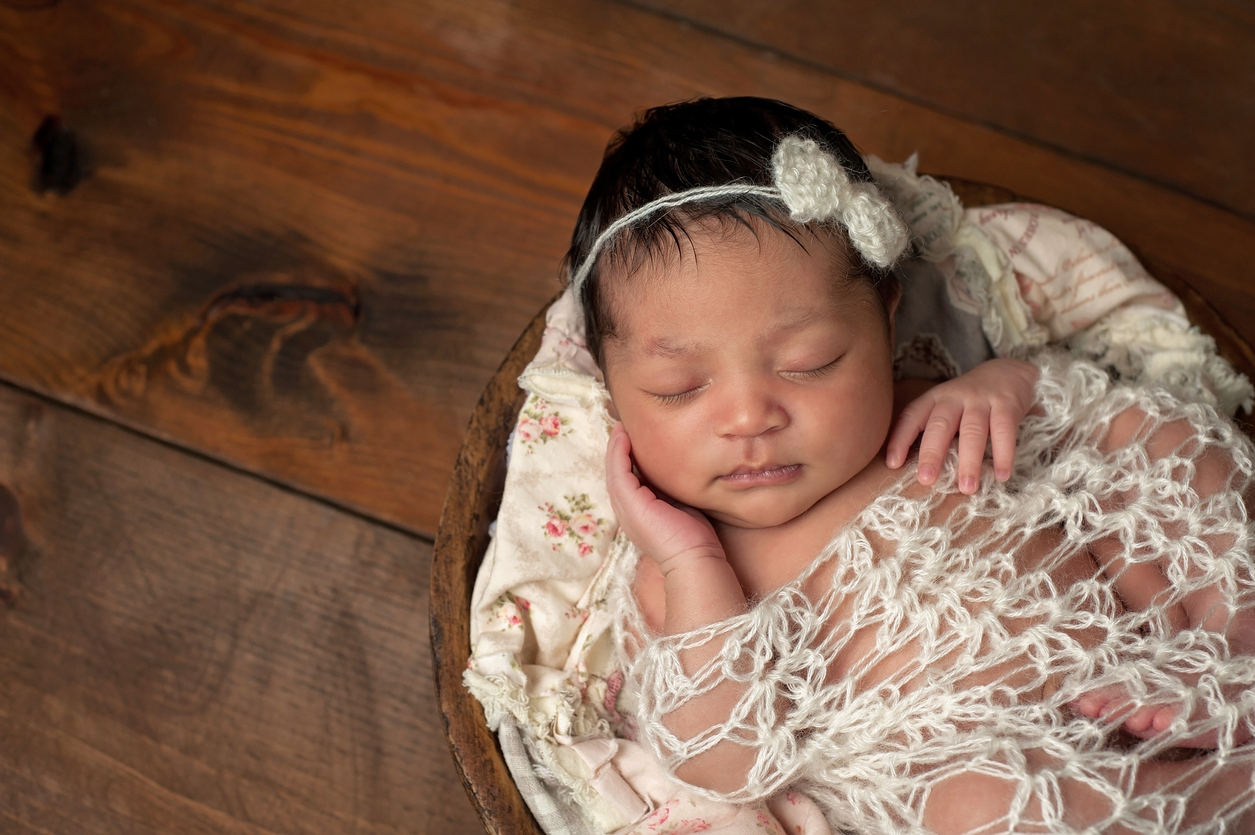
column 934, row 647
column 1000, row 280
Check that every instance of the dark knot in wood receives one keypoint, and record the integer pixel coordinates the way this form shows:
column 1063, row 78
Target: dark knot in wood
column 339, row 305
column 57, row 168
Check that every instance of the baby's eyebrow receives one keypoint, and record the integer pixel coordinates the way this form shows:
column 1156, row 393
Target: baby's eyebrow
column 668, row 348
column 796, row 323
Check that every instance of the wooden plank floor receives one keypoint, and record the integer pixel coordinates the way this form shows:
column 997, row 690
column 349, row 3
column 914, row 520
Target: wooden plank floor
column 195, row 650
column 237, row 356
column 1159, row 89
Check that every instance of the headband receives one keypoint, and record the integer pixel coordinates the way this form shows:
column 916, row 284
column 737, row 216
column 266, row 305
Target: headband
column 812, row 184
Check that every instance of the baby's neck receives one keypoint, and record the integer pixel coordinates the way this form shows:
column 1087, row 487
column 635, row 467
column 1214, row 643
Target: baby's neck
column 764, row 559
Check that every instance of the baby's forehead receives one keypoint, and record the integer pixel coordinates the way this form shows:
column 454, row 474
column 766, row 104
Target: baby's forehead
column 684, row 234
column 641, row 264
column 634, row 276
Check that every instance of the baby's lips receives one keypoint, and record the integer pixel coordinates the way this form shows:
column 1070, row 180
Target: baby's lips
column 745, row 470
column 762, row 475
column 752, row 471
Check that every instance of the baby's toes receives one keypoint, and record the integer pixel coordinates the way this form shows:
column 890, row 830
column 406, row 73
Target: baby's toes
column 1164, row 716
column 1097, row 704
column 1090, row 706
column 1145, row 722
column 1159, row 719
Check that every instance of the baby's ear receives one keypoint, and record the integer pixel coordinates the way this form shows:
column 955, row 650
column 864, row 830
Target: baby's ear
column 892, row 303
column 891, row 307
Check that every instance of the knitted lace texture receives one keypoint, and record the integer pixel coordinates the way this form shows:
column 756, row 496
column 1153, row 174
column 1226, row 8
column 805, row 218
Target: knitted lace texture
column 814, row 186
column 929, row 654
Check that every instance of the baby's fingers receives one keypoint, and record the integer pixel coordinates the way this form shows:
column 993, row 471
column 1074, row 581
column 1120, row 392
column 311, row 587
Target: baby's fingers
column 618, row 457
column 973, row 434
column 906, row 429
column 1003, row 423
column 942, row 424
column 621, row 483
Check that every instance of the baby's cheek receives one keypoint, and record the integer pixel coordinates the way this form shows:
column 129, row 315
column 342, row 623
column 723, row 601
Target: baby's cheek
column 662, row 472
column 667, row 471
column 644, row 447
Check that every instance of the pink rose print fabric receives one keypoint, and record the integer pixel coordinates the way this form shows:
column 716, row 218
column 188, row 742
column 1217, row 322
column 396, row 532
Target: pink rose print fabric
column 539, row 424
column 509, row 609
column 575, row 523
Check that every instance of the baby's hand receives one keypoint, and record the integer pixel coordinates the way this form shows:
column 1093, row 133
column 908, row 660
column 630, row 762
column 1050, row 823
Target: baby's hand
column 988, row 402
column 672, row 534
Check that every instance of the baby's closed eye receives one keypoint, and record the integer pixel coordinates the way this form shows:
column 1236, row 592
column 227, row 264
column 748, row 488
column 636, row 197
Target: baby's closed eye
column 813, row 372
column 678, row 397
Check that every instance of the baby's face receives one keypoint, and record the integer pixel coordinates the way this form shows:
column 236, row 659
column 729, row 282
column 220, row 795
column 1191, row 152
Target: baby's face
column 750, row 387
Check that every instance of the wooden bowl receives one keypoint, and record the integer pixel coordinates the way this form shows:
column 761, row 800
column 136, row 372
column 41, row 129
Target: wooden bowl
column 475, row 494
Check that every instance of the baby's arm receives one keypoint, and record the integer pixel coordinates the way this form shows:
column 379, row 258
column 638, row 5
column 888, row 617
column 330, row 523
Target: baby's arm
column 987, row 402
column 700, row 589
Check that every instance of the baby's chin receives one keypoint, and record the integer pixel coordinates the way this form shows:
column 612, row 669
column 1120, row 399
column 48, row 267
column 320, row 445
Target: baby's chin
column 757, row 518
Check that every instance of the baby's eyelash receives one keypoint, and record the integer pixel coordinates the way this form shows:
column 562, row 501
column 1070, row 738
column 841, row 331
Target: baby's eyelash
column 674, row 399
column 814, row 373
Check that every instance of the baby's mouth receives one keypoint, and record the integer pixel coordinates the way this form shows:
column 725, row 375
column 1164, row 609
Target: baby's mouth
column 771, row 474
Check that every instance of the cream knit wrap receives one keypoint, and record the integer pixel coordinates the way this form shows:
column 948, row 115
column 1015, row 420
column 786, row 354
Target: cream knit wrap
column 939, row 635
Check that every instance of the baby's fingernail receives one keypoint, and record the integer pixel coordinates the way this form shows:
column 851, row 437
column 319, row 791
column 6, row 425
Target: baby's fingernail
column 927, row 473
column 892, row 460
column 1003, row 475
column 967, row 484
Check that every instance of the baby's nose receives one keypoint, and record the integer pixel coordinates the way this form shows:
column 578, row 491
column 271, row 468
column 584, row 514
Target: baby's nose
column 750, row 410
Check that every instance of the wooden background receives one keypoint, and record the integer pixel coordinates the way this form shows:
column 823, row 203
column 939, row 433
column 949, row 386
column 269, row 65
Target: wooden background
column 238, row 357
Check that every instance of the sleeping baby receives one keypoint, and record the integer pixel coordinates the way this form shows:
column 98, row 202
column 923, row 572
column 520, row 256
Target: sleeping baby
column 1063, row 645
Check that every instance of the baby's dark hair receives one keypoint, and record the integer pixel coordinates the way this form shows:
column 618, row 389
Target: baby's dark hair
column 678, row 147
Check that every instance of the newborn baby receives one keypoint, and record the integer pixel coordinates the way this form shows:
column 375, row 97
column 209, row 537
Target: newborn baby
column 914, row 657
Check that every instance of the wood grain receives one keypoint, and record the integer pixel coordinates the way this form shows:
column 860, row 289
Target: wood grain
column 289, row 250
column 189, row 649
column 1159, row 89
column 308, row 231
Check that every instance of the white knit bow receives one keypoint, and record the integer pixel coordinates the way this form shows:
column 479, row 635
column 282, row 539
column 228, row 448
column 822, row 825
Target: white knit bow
column 816, row 187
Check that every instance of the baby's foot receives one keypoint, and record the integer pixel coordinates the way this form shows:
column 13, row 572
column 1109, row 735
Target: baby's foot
column 1112, row 704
